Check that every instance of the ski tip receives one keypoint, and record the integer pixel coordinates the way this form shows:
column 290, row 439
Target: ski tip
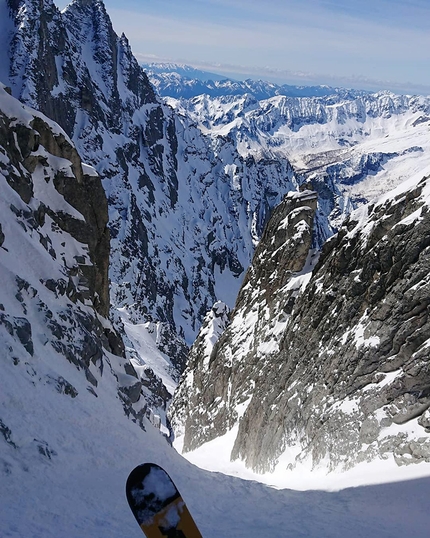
column 157, row 505
column 140, row 472
column 149, row 489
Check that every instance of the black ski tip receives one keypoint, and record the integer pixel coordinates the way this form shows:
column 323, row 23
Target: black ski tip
column 149, row 489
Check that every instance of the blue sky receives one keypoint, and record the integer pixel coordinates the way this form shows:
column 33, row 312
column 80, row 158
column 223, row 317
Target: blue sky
column 367, row 44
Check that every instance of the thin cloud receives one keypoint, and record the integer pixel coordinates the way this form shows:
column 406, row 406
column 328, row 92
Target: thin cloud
column 295, row 77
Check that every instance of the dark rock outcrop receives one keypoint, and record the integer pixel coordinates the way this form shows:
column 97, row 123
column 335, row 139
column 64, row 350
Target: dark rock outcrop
column 222, row 373
column 54, row 265
column 26, row 147
column 349, row 377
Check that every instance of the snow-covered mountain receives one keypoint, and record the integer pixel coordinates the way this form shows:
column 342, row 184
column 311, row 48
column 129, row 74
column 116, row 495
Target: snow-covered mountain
column 348, row 150
column 69, row 430
column 185, row 210
column 189, row 191
column 184, row 81
column 190, row 188
column 186, row 190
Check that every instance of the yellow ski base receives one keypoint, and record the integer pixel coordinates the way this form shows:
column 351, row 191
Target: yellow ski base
column 161, row 524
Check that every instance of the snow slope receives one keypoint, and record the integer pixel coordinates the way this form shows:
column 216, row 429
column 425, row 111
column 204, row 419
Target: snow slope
column 80, row 490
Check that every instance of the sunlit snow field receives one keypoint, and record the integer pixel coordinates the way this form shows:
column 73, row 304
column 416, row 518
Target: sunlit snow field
column 215, row 456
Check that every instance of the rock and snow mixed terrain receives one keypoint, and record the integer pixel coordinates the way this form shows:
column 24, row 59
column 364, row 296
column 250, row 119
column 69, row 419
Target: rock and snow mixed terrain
column 69, row 430
column 185, row 211
column 190, row 190
column 349, row 150
column 321, row 369
column 325, row 361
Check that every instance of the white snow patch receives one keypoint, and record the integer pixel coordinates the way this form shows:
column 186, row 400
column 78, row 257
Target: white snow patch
column 144, row 339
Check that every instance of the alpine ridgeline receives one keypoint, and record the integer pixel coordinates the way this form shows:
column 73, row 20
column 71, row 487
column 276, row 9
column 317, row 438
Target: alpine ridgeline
column 184, row 81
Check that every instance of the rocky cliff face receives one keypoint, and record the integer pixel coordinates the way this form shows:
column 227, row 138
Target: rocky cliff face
column 72, row 66
column 54, row 256
column 348, row 379
column 223, row 369
column 36, row 149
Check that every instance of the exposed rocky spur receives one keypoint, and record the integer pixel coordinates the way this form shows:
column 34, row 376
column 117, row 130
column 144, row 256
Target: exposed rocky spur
column 223, row 370
column 349, row 377
column 54, row 258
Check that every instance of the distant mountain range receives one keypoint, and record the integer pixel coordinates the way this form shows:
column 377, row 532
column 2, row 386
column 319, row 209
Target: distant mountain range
column 173, row 80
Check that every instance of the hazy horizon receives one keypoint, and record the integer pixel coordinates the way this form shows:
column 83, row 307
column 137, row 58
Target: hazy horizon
column 383, row 44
